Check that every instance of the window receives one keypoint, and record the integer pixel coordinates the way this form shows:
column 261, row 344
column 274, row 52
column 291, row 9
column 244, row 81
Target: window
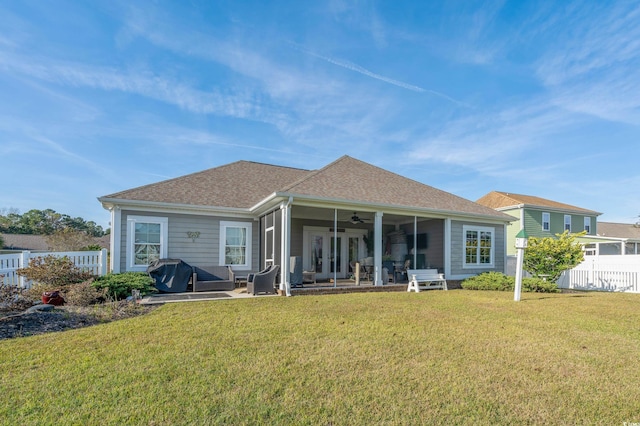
column 587, row 224
column 146, row 241
column 567, row 222
column 235, row 244
column 478, row 246
column 546, row 221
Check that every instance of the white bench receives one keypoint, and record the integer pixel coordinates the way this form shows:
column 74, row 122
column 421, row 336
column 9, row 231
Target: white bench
column 424, row 279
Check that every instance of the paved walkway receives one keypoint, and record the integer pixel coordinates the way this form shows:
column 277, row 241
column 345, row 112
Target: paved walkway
column 239, row 293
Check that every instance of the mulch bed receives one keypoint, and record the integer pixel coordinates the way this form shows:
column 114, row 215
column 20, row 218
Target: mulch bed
column 22, row 324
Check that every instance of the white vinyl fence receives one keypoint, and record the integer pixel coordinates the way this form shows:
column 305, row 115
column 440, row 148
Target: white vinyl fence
column 92, row 261
column 604, row 273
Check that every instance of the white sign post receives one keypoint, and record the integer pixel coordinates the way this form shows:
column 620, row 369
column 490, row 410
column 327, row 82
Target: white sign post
column 521, row 244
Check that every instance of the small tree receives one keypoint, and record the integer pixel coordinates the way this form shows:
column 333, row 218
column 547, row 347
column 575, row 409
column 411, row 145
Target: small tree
column 549, row 257
column 53, row 272
column 69, row 239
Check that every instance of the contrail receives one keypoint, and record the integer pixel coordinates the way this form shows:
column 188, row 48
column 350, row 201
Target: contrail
column 357, row 68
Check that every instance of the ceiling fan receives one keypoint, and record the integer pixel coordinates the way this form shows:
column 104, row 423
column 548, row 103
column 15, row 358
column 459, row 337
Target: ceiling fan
column 356, row 219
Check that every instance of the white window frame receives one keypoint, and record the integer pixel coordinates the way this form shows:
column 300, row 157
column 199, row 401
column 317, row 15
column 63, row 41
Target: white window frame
column 477, row 264
column 587, row 224
column 546, row 220
column 567, row 221
column 131, row 232
column 223, row 237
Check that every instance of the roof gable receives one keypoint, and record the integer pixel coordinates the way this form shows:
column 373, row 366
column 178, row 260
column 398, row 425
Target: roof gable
column 350, row 179
column 502, row 200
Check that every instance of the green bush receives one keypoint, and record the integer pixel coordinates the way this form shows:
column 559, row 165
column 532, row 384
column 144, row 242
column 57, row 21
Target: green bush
column 498, row 281
column 54, row 273
column 119, row 286
column 537, row 285
column 489, row 281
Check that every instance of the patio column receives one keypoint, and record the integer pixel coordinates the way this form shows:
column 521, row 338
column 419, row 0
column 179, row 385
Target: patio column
column 377, row 249
column 115, row 239
column 285, row 247
column 447, row 247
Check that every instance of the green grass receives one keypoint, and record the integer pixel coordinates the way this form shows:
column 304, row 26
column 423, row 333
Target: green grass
column 463, row 357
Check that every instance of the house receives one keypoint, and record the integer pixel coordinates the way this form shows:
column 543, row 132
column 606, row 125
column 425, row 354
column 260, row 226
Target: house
column 540, row 217
column 248, row 215
column 615, row 238
column 37, row 243
column 19, row 242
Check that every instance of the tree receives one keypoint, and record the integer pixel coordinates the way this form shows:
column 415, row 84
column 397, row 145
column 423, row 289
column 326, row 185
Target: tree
column 44, row 222
column 548, row 257
column 68, row 239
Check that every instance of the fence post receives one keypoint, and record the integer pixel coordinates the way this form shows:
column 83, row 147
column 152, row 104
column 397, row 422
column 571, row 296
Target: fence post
column 23, row 262
column 103, row 262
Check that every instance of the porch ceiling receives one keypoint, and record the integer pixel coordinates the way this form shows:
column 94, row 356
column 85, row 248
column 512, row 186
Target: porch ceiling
column 314, row 213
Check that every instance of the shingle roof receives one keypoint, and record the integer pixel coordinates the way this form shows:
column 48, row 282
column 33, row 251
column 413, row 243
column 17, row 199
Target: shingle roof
column 38, row 242
column 351, row 179
column 497, row 200
column 619, row 230
column 238, row 185
column 244, row 184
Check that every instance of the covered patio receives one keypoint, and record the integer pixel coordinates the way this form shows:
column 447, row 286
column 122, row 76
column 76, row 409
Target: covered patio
column 337, row 246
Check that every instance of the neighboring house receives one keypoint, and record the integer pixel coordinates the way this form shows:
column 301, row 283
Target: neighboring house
column 36, row 243
column 616, row 238
column 20, row 242
column 248, row 215
column 540, row 217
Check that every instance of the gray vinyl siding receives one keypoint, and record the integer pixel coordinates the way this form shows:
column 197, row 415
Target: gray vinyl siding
column 201, row 251
column 457, row 249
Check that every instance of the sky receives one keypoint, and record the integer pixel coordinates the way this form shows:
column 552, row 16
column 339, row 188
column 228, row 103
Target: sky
column 529, row 97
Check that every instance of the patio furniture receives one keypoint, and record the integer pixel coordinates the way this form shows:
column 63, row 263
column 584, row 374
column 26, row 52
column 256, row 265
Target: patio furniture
column 309, row 277
column 263, row 282
column 424, row 279
column 170, row 275
column 213, row 278
column 295, row 274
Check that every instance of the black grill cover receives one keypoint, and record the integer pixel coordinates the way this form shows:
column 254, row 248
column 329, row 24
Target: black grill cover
column 171, row 275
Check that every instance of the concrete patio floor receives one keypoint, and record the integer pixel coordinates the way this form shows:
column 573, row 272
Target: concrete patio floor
column 342, row 286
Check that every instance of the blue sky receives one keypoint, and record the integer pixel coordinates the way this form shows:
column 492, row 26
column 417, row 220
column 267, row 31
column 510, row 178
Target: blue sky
column 531, row 97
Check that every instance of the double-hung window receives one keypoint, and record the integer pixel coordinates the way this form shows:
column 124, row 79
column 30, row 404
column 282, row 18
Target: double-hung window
column 146, row 241
column 567, row 222
column 587, row 224
column 546, row 221
column 235, row 244
column 479, row 243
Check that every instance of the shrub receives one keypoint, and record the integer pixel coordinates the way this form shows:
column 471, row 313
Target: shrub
column 489, row 281
column 537, row 285
column 13, row 298
column 498, row 281
column 119, row 286
column 84, row 294
column 54, row 273
column 549, row 257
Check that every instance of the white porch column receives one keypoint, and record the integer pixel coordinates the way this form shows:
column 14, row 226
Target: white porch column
column 115, row 240
column 447, row 247
column 377, row 249
column 285, row 248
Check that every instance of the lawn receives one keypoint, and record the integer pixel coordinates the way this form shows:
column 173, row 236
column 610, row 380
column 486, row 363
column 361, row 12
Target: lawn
column 460, row 357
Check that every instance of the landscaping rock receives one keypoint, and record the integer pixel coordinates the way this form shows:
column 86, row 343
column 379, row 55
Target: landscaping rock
column 45, row 307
